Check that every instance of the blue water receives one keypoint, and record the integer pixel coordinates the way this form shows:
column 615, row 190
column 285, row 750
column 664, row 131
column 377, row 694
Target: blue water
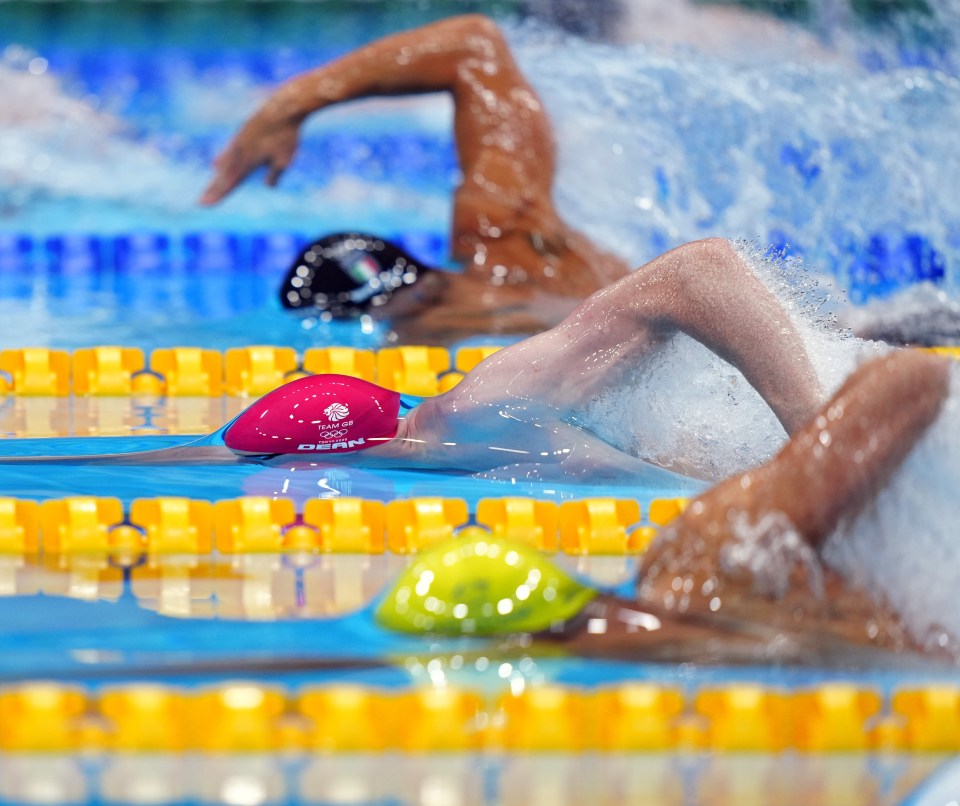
column 107, row 641
column 298, row 481
column 849, row 162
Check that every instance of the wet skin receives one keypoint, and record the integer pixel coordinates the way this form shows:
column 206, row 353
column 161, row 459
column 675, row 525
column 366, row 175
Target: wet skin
column 523, row 400
column 525, row 268
column 748, row 552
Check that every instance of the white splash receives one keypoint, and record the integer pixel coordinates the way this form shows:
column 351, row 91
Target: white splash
column 688, row 403
column 657, row 148
column 67, row 166
column 906, row 545
column 769, row 550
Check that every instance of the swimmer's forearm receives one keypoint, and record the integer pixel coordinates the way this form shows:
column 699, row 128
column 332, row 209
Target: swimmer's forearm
column 426, row 59
column 706, row 290
column 847, row 452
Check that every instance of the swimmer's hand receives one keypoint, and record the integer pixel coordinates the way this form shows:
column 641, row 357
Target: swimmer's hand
column 269, row 138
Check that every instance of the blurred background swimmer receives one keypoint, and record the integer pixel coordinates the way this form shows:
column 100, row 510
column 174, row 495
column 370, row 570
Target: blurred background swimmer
column 524, row 268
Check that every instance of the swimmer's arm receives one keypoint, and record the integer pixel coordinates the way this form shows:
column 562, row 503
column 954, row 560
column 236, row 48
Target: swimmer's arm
column 847, row 452
column 706, row 290
column 568, row 454
column 465, row 55
column 432, row 58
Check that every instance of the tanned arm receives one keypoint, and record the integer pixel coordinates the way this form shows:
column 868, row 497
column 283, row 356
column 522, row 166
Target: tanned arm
column 729, row 571
column 845, row 454
column 498, row 115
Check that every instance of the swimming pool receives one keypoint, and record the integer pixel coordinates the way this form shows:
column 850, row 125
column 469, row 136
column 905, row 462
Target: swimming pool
column 101, row 244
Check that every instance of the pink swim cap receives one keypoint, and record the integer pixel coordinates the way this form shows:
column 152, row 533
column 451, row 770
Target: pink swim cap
column 317, row 415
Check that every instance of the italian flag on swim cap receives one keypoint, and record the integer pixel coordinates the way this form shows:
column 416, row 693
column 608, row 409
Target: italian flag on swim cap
column 317, row 415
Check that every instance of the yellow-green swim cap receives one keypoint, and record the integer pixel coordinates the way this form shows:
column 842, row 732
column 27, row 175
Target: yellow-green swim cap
column 477, row 584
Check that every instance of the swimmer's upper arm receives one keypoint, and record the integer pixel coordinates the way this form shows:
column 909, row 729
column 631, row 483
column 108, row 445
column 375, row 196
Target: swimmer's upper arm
column 425, row 59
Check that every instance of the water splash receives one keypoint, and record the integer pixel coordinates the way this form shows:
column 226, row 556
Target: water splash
column 769, row 550
column 657, row 145
column 904, row 545
column 656, row 149
column 687, row 402
column 67, row 166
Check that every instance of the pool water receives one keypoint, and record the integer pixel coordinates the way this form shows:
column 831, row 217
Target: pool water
column 109, row 117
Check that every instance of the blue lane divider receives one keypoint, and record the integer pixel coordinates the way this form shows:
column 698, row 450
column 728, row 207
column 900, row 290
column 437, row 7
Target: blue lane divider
column 141, row 251
column 272, row 253
column 209, row 251
column 196, row 252
column 75, row 254
column 875, row 268
column 150, row 70
column 885, row 264
column 16, row 251
column 878, row 267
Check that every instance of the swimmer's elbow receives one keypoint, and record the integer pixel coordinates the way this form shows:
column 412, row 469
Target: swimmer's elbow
column 665, row 292
column 480, row 24
column 715, row 248
column 481, row 31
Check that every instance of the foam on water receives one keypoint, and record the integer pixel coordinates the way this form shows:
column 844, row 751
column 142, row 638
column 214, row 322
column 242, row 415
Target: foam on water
column 687, row 402
column 66, row 166
column 53, row 146
column 905, row 544
column 659, row 149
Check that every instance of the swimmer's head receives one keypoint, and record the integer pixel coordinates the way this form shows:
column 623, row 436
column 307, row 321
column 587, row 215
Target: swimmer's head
column 347, row 274
column 316, row 416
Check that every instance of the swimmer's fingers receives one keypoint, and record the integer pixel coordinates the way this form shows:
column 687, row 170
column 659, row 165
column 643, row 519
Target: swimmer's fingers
column 215, row 191
column 278, row 151
column 274, row 174
column 280, row 159
column 233, row 166
column 247, row 153
column 229, row 171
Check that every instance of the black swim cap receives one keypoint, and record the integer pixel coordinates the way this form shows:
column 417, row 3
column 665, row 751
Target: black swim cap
column 348, row 273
